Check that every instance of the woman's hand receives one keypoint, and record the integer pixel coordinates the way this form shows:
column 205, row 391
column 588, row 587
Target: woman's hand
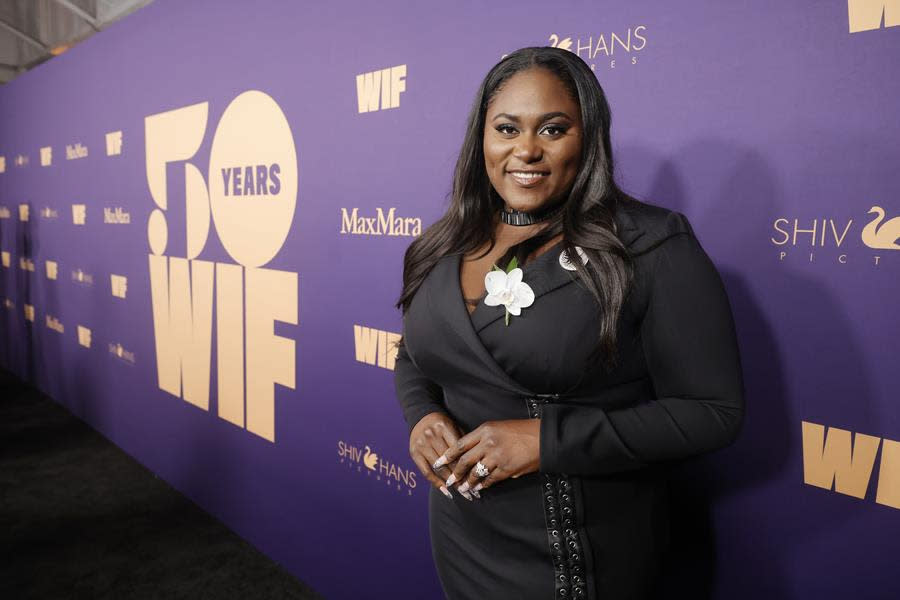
column 430, row 437
column 507, row 448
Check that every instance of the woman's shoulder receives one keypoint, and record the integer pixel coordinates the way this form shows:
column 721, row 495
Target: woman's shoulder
column 644, row 226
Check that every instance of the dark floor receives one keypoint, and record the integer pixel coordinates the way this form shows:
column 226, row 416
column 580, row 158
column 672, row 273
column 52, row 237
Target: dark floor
column 79, row 518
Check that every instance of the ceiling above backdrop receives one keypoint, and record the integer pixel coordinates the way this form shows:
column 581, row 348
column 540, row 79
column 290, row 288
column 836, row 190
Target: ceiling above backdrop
column 34, row 31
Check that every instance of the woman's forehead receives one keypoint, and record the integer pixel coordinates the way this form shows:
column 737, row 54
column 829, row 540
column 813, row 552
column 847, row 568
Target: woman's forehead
column 534, row 91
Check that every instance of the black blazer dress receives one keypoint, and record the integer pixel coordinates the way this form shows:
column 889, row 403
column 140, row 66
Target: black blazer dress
column 592, row 523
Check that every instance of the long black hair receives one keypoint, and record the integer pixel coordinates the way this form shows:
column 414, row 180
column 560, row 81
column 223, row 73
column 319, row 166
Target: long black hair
column 587, row 220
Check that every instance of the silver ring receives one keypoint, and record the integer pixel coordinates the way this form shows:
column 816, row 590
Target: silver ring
column 481, row 470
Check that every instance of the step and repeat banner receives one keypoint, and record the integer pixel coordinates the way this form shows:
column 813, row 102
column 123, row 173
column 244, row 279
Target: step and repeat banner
column 204, row 209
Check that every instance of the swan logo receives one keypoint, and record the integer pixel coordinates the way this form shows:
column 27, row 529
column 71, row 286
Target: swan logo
column 611, row 49
column 878, row 234
column 881, row 235
column 866, row 15
column 365, row 460
column 370, row 459
column 252, row 222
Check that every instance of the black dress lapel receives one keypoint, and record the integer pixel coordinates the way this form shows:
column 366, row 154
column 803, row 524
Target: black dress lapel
column 544, row 274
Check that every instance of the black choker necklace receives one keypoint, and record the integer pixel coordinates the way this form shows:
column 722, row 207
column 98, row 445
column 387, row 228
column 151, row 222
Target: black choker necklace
column 518, row 217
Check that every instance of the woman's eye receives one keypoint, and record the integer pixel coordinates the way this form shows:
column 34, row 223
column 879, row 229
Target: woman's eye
column 553, row 130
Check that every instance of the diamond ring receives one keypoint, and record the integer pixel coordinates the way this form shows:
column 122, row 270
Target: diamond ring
column 481, row 470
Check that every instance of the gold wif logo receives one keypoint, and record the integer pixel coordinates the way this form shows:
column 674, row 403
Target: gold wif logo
column 84, row 336
column 252, row 226
column 866, row 15
column 114, row 143
column 79, row 214
column 834, row 459
column 380, row 90
column 375, row 347
column 119, row 285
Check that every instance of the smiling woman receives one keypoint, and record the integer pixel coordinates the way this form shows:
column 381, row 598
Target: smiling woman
column 531, row 156
column 546, row 436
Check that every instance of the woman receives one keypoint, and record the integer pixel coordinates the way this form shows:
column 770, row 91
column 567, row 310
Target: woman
column 545, row 413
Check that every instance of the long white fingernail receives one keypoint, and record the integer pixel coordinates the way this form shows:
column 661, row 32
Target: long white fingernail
column 450, row 480
column 463, row 488
column 467, row 496
column 475, row 493
column 440, row 462
column 477, row 487
column 446, row 492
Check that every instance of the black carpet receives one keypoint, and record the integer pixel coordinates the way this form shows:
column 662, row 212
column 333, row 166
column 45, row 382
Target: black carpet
column 79, row 518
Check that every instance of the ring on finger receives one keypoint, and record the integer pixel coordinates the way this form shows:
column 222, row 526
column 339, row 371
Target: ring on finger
column 481, row 470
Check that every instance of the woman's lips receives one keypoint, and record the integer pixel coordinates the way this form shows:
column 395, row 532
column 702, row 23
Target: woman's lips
column 528, row 178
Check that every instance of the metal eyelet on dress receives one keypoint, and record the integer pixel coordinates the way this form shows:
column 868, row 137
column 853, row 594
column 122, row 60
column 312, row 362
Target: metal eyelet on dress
column 567, row 560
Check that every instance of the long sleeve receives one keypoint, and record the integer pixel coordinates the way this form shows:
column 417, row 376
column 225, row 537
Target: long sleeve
column 691, row 350
column 418, row 395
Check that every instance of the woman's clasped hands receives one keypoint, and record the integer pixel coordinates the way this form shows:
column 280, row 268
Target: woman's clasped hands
column 490, row 453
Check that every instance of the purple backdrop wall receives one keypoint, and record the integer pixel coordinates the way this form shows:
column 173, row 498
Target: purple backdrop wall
column 757, row 120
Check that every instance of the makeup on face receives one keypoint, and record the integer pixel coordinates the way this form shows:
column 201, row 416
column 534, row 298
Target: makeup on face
column 532, row 140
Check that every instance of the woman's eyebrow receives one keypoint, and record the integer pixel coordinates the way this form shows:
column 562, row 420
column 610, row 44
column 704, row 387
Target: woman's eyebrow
column 544, row 117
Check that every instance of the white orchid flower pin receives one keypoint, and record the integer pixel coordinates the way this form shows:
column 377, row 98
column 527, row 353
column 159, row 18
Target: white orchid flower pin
column 508, row 289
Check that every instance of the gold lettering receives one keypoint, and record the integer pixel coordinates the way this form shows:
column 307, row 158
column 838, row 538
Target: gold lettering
column 865, row 15
column 367, row 86
column 889, row 475
column 787, row 236
column 366, row 342
column 836, row 460
column 640, row 37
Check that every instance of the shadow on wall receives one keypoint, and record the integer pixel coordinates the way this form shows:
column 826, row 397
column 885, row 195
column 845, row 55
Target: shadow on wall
column 724, row 504
column 26, row 244
column 7, row 315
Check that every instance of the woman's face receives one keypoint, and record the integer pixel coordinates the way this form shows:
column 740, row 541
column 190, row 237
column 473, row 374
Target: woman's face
column 532, row 140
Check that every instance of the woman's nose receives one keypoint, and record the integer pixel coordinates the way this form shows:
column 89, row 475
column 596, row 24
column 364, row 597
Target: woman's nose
column 528, row 148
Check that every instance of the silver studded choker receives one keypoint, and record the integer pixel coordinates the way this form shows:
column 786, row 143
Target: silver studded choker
column 518, row 217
